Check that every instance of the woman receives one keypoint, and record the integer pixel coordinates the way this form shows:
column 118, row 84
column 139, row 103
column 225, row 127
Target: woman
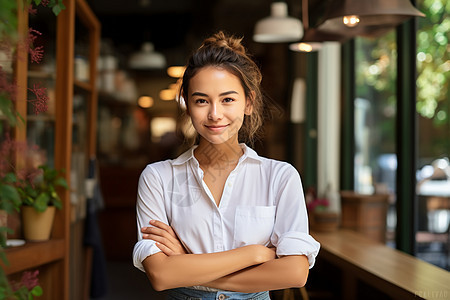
column 225, row 223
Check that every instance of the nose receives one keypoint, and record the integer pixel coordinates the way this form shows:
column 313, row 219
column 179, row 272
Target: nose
column 215, row 112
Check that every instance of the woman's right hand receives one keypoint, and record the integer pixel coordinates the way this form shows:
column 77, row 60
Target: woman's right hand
column 165, row 238
column 264, row 254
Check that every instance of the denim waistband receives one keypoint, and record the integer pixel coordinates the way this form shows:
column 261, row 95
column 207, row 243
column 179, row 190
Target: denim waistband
column 193, row 294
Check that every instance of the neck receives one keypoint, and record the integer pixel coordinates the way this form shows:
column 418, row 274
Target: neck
column 227, row 153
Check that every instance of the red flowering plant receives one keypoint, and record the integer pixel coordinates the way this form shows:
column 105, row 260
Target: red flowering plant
column 29, row 182
column 21, row 182
column 9, row 42
column 18, row 184
column 25, row 289
column 34, row 181
column 314, row 203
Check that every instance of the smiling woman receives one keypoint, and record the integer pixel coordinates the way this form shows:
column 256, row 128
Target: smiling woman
column 217, row 105
column 220, row 221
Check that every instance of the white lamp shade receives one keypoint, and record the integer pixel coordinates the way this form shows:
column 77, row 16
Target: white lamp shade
column 279, row 27
column 147, row 58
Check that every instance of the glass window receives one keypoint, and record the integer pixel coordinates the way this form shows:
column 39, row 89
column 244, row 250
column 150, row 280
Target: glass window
column 375, row 161
column 433, row 110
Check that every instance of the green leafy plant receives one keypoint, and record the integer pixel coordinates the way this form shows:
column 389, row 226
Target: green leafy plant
column 14, row 189
column 9, row 196
column 30, row 181
column 10, row 42
column 26, row 289
column 41, row 191
column 8, row 13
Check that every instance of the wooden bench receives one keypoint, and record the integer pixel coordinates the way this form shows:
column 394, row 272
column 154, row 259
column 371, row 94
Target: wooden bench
column 363, row 263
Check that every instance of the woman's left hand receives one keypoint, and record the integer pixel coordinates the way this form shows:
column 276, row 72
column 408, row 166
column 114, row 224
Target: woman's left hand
column 165, row 238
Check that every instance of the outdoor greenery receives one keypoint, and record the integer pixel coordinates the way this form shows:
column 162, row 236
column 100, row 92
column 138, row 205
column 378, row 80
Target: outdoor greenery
column 433, row 61
column 376, row 77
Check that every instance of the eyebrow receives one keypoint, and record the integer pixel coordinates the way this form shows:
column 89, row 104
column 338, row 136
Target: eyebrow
column 221, row 94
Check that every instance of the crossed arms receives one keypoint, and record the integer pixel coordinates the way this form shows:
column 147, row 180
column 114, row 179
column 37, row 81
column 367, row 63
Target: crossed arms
column 248, row 269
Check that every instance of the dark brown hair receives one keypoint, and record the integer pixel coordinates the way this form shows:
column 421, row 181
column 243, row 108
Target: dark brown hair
column 227, row 52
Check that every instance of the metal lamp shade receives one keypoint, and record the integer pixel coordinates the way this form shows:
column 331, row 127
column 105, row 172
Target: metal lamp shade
column 375, row 16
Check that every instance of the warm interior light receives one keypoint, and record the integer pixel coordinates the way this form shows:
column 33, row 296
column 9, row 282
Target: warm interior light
column 302, row 47
column 159, row 126
column 305, row 47
column 145, row 101
column 167, row 94
column 350, row 21
column 176, row 71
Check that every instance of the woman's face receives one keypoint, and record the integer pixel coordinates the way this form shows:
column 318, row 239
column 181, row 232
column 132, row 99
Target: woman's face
column 217, row 104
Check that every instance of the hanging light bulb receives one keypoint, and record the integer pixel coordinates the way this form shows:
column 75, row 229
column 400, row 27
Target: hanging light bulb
column 350, row 21
column 301, row 47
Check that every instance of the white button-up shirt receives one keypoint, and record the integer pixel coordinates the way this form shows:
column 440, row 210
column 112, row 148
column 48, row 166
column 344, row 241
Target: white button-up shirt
column 262, row 203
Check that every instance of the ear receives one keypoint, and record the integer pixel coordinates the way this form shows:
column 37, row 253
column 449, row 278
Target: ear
column 186, row 104
column 249, row 104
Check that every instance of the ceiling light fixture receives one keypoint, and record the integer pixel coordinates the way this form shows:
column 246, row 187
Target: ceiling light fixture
column 145, row 101
column 147, row 58
column 312, row 38
column 167, row 94
column 350, row 21
column 278, row 27
column 366, row 17
column 176, row 71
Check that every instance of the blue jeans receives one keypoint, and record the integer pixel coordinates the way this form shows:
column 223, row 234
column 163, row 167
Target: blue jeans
column 191, row 294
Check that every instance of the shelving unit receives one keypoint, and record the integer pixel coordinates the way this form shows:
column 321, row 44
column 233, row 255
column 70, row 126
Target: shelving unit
column 55, row 258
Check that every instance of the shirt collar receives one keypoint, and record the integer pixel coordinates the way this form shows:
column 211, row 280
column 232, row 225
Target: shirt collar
column 189, row 154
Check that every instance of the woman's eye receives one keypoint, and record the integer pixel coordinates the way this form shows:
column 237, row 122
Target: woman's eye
column 200, row 101
column 228, row 100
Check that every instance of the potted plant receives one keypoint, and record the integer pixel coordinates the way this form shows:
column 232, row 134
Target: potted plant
column 10, row 182
column 39, row 202
column 320, row 217
column 31, row 185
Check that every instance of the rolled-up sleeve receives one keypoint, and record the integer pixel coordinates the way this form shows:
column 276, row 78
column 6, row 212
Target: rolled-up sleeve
column 291, row 233
column 149, row 206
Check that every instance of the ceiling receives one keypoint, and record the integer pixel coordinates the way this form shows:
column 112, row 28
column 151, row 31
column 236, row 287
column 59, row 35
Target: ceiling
column 177, row 26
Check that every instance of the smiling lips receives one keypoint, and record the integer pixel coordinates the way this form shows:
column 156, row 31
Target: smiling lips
column 216, row 128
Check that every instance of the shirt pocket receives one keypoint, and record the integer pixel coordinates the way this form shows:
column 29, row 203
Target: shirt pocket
column 253, row 225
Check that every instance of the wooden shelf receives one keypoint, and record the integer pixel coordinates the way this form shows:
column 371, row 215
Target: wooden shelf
column 41, row 117
column 41, row 74
column 25, row 257
column 85, row 86
column 52, row 257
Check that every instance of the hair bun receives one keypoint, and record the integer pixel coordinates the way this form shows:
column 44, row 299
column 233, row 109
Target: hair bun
column 221, row 40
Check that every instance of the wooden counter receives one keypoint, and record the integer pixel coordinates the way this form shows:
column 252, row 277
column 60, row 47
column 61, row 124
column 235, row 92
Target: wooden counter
column 392, row 272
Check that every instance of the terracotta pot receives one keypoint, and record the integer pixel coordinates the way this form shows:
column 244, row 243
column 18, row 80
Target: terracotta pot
column 37, row 226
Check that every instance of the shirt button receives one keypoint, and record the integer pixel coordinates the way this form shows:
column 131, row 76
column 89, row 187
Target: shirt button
column 230, row 184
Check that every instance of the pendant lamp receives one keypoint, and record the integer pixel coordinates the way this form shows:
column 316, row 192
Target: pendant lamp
column 313, row 38
column 147, row 58
column 278, row 27
column 366, row 17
